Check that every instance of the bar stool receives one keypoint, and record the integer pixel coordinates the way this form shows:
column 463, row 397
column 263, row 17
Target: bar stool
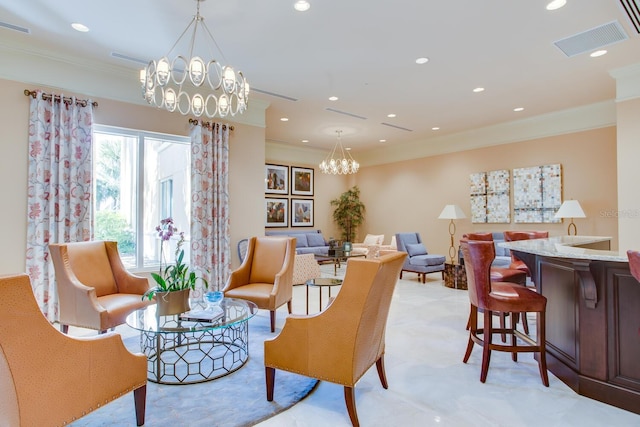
column 502, row 297
column 512, row 236
column 634, row 263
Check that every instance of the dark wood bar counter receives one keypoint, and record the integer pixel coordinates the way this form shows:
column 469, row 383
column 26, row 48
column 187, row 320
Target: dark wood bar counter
column 593, row 315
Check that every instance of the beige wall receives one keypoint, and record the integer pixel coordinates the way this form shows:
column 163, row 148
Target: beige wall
column 246, row 162
column 409, row 196
column 628, row 212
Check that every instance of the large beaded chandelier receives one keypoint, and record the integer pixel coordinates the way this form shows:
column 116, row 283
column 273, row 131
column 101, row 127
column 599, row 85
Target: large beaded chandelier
column 336, row 165
column 176, row 84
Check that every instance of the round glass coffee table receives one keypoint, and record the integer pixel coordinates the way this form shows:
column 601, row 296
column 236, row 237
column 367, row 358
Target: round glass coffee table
column 190, row 351
column 321, row 282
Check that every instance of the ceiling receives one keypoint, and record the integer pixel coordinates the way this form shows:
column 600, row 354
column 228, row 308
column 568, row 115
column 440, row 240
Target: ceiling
column 361, row 51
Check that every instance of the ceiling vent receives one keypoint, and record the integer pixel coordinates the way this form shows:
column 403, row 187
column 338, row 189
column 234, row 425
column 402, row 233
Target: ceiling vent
column 593, row 39
column 397, row 127
column 333, row 110
column 129, row 58
column 632, row 7
column 15, row 27
column 277, row 95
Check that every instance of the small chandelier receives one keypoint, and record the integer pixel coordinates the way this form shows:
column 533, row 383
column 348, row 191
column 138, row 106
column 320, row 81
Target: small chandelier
column 175, row 84
column 336, row 165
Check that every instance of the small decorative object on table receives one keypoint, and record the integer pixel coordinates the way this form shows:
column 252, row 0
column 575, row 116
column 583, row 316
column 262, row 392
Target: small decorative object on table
column 347, row 248
column 213, row 299
column 174, row 282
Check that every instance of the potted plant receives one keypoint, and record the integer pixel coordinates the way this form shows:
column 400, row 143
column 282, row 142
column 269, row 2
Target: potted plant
column 349, row 213
column 173, row 282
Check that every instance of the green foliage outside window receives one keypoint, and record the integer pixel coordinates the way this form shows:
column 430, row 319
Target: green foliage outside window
column 113, row 226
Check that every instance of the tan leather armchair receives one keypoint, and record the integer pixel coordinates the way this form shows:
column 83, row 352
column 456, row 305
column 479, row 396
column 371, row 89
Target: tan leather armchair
column 49, row 379
column 266, row 274
column 342, row 342
column 94, row 289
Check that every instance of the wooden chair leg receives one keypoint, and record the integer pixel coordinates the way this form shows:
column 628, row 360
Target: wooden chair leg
column 401, row 274
column 473, row 327
column 502, row 326
column 514, row 320
column 140, row 399
column 381, row 372
column 272, row 314
column 350, row 400
column 270, row 378
column 542, row 359
column 64, row 328
column 525, row 324
column 486, row 348
column 289, row 306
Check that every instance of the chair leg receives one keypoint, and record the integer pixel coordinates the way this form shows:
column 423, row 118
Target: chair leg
column 140, row 399
column 514, row 320
column 381, row 372
column 350, row 399
column 525, row 324
column 270, row 377
column 400, row 274
column 486, row 348
column 542, row 359
column 289, row 306
column 502, row 325
column 473, row 327
column 64, row 328
column 272, row 314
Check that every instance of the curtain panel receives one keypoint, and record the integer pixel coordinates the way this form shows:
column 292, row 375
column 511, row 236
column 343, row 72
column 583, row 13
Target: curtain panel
column 59, row 187
column 210, row 235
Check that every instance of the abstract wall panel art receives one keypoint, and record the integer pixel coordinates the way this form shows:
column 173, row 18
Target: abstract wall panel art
column 490, row 199
column 537, row 194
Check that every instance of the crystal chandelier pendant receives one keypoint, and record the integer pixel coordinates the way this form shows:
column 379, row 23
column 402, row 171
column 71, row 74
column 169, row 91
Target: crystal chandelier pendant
column 192, row 85
column 335, row 165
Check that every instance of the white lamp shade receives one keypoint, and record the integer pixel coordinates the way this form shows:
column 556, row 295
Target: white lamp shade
column 570, row 209
column 452, row 212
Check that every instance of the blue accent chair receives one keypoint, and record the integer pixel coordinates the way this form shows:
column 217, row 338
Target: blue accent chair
column 418, row 260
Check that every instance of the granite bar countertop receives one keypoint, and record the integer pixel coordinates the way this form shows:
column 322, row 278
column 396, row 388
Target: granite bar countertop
column 567, row 247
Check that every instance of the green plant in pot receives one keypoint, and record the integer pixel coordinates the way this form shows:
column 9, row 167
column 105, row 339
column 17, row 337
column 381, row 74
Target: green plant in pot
column 348, row 213
column 173, row 282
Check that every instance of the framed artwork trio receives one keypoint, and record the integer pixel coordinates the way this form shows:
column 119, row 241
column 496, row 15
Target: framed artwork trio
column 280, row 181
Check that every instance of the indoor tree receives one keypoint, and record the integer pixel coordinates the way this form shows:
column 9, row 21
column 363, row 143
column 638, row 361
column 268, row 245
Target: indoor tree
column 349, row 212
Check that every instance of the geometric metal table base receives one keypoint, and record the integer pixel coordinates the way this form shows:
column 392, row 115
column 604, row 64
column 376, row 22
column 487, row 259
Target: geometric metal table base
column 194, row 357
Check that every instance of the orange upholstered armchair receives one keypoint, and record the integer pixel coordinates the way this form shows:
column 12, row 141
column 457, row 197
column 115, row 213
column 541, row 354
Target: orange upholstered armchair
column 266, row 274
column 342, row 342
column 94, row 289
column 50, row 379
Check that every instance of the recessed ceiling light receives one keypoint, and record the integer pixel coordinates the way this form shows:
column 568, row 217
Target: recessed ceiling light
column 302, row 5
column 383, row 140
column 435, row 128
column 518, row 109
column 284, row 119
column 478, row 89
column 347, row 148
column 333, row 98
column 391, row 115
column 305, row 141
column 598, row 53
column 79, row 27
column 422, row 60
column 556, row 4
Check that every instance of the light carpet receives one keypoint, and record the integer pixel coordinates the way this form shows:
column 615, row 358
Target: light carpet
column 238, row 399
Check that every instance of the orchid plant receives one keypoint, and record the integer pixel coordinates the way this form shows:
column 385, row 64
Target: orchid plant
column 175, row 277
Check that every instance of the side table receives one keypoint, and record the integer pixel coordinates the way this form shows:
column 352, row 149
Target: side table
column 455, row 275
column 321, row 282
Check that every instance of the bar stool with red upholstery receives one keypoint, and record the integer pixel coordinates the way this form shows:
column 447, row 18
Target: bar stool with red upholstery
column 502, row 297
column 512, row 236
column 634, row 263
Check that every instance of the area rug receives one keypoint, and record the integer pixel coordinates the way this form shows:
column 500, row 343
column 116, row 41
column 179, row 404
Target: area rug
column 238, row 399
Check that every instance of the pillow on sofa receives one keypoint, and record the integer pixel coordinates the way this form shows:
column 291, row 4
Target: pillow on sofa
column 315, row 239
column 301, row 240
column 373, row 239
column 416, row 249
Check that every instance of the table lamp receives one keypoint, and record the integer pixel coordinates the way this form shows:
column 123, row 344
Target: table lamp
column 452, row 212
column 571, row 209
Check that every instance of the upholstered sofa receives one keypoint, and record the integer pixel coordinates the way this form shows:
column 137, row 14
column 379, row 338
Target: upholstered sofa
column 503, row 256
column 307, row 241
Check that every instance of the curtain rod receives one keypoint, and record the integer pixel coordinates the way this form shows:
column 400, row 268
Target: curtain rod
column 208, row 124
column 66, row 100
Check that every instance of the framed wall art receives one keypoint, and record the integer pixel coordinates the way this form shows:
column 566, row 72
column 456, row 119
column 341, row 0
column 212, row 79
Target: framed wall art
column 302, row 212
column 276, row 212
column 301, row 181
column 490, row 197
column 537, row 194
column 276, row 179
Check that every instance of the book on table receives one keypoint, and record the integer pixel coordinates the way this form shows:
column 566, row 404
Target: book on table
column 208, row 315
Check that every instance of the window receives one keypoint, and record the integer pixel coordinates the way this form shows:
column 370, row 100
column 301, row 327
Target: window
column 135, row 175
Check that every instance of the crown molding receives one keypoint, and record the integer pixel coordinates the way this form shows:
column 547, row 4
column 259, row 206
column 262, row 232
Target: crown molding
column 627, row 82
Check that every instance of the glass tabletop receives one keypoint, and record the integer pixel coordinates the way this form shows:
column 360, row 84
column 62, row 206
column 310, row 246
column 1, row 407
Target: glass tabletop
column 232, row 311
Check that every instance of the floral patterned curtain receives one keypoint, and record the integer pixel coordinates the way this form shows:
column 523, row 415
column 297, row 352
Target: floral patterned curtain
column 59, row 186
column 210, row 236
